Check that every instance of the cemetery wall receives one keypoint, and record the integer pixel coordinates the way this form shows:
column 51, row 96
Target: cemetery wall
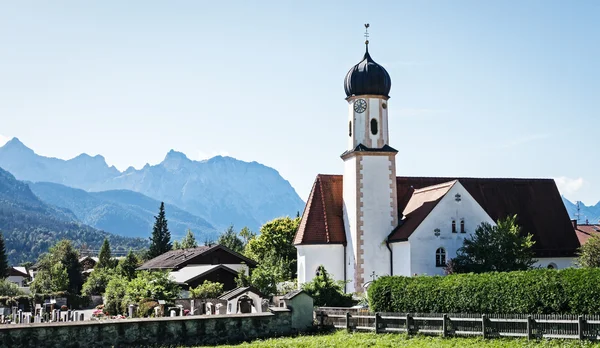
column 176, row 331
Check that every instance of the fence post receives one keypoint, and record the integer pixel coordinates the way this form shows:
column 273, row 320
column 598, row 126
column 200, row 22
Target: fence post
column 580, row 323
column 377, row 322
column 445, row 326
column 348, row 328
column 529, row 327
column 484, row 325
column 321, row 319
column 409, row 322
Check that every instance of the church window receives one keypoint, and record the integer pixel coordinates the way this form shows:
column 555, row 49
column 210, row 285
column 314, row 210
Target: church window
column 440, row 257
column 552, row 266
column 374, row 126
column 462, row 226
column 350, row 128
column 453, row 226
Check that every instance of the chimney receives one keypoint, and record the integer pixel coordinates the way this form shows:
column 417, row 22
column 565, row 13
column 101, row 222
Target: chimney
column 574, row 222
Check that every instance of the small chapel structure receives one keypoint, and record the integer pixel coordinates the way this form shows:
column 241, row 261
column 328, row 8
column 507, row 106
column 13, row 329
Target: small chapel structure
column 369, row 222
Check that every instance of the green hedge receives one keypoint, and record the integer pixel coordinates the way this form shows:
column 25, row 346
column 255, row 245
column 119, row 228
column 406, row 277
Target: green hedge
column 574, row 291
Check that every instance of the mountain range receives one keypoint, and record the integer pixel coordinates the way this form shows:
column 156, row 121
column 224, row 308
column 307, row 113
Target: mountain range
column 215, row 193
column 589, row 213
column 30, row 226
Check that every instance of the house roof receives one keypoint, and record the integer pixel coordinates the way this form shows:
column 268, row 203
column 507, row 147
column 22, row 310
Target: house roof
column 290, row 295
column 418, row 208
column 93, row 258
column 19, row 271
column 536, row 202
column 586, row 231
column 190, row 273
column 231, row 294
column 175, row 259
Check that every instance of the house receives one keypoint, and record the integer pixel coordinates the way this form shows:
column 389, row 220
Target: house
column 88, row 263
column 585, row 231
column 369, row 222
column 18, row 276
column 243, row 300
column 191, row 267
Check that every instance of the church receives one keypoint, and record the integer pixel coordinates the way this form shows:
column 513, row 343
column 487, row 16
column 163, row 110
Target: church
column 369, row 222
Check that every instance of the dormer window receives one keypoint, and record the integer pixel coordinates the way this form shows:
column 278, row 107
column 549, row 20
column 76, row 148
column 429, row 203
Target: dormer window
column 453, row 226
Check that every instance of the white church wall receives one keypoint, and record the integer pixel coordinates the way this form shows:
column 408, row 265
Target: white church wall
column 374, row 114
column 423, row 241
column 401, row 255
column 556, row 262
column 310, row 257
column 376, row 215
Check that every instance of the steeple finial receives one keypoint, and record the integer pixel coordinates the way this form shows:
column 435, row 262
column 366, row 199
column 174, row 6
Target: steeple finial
column 367, row 36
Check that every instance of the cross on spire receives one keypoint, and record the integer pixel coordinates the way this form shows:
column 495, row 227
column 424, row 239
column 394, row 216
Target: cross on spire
column 367, row 35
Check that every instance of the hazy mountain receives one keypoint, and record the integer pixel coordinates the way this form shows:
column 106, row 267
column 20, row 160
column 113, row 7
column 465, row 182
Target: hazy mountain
column 122, row 212
column 31, row 226
column 589, row 213
column 221, row 190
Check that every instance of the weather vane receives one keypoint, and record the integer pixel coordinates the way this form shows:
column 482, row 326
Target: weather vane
column 366, row 33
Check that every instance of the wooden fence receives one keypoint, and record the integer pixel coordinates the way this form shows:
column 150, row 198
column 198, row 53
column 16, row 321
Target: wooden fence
column 532, row 326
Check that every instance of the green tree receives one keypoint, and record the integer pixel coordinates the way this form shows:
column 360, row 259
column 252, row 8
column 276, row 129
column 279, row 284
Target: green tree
column 589, row 253
column 176, row 245
column 206, row 290
column 274, row 247
column 246, row 234
column 501, row 248
column 4, row 267
column 104, row 257
column 325, row 291
column 116, row 289
column 189, row 241
column 59, row 270
column 230, row 239
column 128, row 265
column 160, row 242
column 8, row 288
column 97, row 281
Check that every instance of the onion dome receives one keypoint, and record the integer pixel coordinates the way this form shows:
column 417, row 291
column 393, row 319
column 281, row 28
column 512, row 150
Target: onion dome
column 367, row 77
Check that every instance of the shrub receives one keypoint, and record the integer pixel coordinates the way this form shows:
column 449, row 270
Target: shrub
column 571, row 291
column 325, row 291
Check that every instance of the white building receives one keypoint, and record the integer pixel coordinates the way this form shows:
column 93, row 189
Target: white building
column 369, row 222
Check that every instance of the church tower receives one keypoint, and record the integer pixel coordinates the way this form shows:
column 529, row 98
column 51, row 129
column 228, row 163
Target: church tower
column 369, row 185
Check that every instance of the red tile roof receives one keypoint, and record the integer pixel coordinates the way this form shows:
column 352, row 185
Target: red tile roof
column 585, row 232
column 537, row 203
column 418, row 207
column 322, row 221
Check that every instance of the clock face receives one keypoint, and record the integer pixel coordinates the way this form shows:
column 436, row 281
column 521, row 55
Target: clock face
column 360, row 105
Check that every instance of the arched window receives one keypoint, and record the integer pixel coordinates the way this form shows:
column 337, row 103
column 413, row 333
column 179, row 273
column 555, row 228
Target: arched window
column 440, row 257
column 350, row 128
column 462, row 226
column 374, row 126
column 453, row 226
column 552, row 265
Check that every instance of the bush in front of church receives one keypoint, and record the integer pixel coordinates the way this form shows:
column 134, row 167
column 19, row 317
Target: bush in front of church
column 543, row 291
column 327, row 292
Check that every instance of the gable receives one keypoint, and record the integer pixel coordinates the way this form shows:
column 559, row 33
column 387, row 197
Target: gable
column 202, row 255
column 536, row 202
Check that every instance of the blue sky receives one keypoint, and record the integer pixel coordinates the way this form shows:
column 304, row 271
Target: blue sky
column 479, row 88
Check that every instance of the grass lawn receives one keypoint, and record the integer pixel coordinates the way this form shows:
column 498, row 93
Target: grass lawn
column 350, row 340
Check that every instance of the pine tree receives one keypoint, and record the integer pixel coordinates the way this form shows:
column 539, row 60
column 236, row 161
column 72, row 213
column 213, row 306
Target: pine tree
column 127, row 266
column 189, row 241
column 104, row 257
column 4, row 268
column 160, row 242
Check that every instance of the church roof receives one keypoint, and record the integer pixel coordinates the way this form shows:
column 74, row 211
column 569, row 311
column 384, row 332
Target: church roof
column 536, row 202
column 418, row 207
column 587, row 231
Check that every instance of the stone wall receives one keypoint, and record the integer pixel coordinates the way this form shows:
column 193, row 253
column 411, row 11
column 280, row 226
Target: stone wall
column 178, row 331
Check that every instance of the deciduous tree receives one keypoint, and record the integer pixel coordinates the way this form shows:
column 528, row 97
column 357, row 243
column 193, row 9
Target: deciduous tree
column 206, row 290
column 589, row 253
column 230, row 239
column 500, row 248
column 325, row 291
column 189, row 241
column 59, row 270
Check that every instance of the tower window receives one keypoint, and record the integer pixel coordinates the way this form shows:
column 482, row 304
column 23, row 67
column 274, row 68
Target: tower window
column 440, row 257
column 350, row 128
column 462, row 226
column 374, row 126
column 453, row 226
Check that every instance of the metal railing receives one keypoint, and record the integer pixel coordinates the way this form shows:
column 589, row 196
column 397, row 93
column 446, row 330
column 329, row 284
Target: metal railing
column 531, row 326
